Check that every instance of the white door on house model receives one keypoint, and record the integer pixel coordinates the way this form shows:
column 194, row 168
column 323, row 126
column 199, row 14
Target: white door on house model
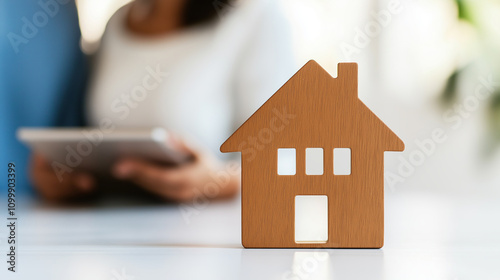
column 311, row 219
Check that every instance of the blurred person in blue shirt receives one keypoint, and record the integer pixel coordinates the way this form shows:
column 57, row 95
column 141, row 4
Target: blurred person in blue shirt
column 42, row 74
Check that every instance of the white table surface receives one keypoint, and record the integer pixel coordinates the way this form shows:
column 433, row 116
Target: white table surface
column 428, row 236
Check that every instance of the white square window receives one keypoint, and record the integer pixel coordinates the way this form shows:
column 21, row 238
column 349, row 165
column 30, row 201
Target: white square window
column 286, row 161
column 314, row 161
column 342, row 161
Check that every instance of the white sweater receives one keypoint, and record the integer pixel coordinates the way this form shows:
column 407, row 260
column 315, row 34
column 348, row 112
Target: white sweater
column 201, row 82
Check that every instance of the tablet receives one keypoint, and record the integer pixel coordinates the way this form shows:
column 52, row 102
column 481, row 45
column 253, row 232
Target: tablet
column 95, row 150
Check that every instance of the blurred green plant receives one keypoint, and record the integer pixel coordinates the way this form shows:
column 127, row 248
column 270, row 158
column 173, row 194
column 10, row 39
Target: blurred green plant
column 450, row 91
column 468, row 12
column 463, row 12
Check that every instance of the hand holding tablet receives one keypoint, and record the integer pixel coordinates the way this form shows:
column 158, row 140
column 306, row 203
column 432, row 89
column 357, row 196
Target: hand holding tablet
column 92, row 150
column 64, row 160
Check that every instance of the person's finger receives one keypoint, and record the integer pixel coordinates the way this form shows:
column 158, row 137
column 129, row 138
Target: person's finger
column 43, row 171
column 148, row 173
column 137, row 169
column 72, row 186
column 196, row 150
column 40, row 162
column 84, row 182
column 55, row 188
column 179, row 144
column 157, row 179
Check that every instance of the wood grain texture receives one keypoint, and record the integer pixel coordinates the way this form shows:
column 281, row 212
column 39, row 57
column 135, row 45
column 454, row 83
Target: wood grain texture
column 314, row 110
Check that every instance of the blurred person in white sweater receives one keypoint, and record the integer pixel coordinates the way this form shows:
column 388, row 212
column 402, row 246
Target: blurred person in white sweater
column 206, row 66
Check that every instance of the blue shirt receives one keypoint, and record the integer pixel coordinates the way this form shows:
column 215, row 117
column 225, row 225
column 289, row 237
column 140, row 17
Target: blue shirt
column 42, row 75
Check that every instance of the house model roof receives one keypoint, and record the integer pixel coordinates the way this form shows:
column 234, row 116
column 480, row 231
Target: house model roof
column 317, row 109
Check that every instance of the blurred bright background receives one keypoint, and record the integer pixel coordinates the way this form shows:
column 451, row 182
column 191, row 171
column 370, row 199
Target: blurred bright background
column 430, row 69
column 421, row 63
